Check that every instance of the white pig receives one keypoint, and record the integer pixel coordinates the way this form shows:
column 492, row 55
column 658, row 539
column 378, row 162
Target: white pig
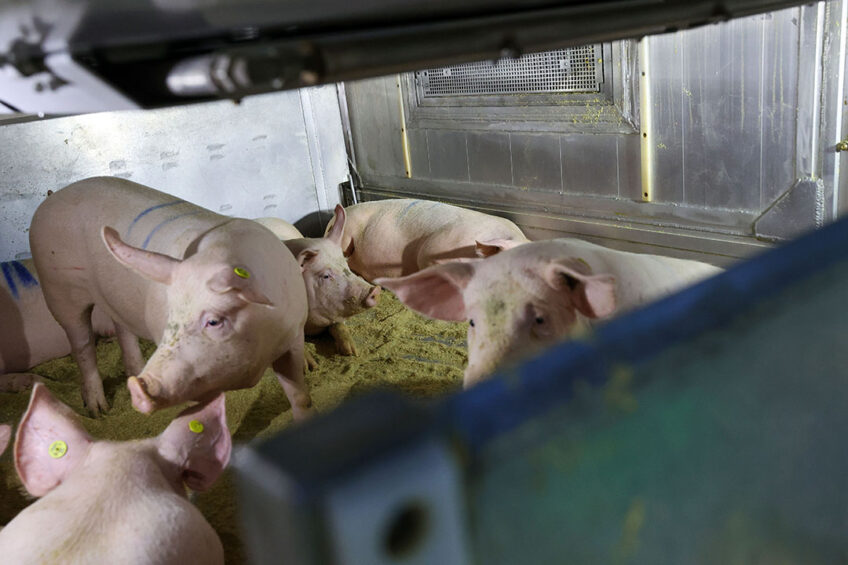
column 393, row 238
column 333, row 291
column 281, row 228
column 29, row 335
column 523, row 298
column 222, row 297
column 115, row 502
column 5, row 436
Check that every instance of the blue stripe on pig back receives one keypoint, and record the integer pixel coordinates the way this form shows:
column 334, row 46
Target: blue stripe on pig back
column 10, row 282
column 24, row 276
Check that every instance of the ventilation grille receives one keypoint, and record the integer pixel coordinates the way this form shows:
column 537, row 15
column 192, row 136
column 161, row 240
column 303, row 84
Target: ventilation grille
column 579, row 69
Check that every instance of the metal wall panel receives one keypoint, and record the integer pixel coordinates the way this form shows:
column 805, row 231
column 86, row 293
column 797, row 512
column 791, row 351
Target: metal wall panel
column 740, row 114
column 579, row 176
column 448, row 155
column 257, row 158
column 374, row 109
column 669, row 122
column 327, row 154
column 780, row 103
column 419, row 153
column 489, row 158
column 536, row 162
column 629, row 167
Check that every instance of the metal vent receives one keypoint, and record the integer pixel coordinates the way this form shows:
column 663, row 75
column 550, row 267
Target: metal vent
column 579, row 69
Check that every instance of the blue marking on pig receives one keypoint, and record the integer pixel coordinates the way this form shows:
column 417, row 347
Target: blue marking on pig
column 144, row 213
column 24, row 276
column 408, row 206
column 165, row 222
column 10, row 282
column 15, row 269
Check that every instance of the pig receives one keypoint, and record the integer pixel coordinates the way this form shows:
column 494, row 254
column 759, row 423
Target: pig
column 541, row 292
column 5, row 436
column 222, row 297
column 29, row 335
column 281, row 228
column 394, row 238
column 115, row 502
column 333, row 291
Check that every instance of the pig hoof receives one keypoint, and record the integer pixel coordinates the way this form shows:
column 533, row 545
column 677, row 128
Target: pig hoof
column 347, row 347
column 309, row 362
column 303, row 413
column 96, row 407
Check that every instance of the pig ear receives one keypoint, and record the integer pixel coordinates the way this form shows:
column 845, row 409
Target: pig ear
column 335, row 233
column 154, row 266
column 228, row 279
column 50, row 443
column 436, row 291
column 591, row 295
column 198, row 443
column 305, row 257
column 5, row 436
column 491, row 247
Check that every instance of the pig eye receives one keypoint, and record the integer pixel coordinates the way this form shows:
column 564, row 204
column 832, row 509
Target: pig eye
column 326, row 276
column 213, row 322
column 540, row 320
column 471, row 323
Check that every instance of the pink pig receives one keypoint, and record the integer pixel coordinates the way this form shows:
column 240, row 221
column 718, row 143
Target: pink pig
column 524, row 298
column 393, row 238
column 5, row 436
column 29, row 335
column 281, row 228
column 111, row 502
column 333, row 291
column 222, row 297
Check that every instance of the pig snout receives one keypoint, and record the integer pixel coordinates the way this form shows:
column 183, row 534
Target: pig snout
column 143, row 391
column 372, row 297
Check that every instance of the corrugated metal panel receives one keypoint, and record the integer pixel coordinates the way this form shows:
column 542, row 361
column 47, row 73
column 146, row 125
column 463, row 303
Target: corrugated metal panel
column 258, row 158
column 740, row 113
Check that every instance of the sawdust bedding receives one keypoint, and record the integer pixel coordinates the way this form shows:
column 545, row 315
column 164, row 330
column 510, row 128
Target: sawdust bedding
column 397, row 349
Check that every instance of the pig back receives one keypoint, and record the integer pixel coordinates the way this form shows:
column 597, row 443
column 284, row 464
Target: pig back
column 75, row 266
column 29, row 334
column 640, row 277
column 400, row 236
column 281, row 228
column 114, row 526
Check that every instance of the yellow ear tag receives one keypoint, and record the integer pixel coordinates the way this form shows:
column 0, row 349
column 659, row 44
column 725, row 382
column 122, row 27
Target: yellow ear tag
column 243, row 273
column 196, row 426
column 58, row 449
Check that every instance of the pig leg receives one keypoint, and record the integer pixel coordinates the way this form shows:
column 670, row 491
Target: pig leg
column 16, row 382
column 344, row 341
column 133, row 359
column 81, row 337
column 289, row 371
column 309, row 362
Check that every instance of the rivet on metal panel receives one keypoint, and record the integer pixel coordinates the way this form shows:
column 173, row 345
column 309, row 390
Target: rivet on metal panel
column 842, row 145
